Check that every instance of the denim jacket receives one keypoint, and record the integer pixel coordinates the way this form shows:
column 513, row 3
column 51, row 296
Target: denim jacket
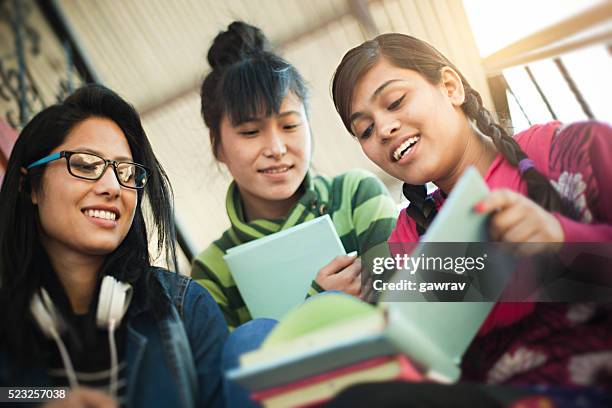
column 175, row 362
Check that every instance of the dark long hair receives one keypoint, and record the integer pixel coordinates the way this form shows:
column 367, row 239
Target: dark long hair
column 247, row 80
column 408, row 52
column 22, row 259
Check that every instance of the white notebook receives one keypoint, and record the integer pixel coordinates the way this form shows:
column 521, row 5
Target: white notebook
column 274, row 273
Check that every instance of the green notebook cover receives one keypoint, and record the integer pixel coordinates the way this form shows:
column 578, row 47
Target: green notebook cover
column 433, row 335
column 274, row 273
column 452, row 324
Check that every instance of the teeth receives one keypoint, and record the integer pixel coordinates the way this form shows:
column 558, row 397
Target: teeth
column 399, row 152
column 105, row 215
column 276, row 170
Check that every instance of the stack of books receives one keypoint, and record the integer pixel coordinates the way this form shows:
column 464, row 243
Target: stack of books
column 333, row 341
column 318, row 389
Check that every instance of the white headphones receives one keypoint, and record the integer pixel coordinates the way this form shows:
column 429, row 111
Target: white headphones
column 113, row 302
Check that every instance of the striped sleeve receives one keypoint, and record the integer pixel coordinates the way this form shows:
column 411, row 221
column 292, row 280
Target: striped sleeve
column 363, row 213
column 368, row 208
column 374, row 213
column 210, row 270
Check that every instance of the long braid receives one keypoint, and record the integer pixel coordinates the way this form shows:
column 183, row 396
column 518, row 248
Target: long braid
column 539, row 188
column 410, row 53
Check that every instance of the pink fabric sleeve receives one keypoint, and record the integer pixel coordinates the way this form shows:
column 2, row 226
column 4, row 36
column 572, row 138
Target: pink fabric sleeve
column 596, row 163
column 575, row 231
column 502, row 314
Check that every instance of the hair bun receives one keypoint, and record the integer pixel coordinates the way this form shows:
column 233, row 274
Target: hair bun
column 239, row 40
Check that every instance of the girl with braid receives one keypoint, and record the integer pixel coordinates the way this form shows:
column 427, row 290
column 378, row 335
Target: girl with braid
column 418, row 118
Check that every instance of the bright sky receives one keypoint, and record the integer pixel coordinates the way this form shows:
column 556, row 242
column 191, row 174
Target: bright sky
column 497, row 23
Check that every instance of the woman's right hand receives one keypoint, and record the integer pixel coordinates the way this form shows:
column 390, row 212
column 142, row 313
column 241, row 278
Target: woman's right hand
column 84, row 398
column 343, row 273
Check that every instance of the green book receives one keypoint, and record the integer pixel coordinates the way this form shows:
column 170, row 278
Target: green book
column 274, row 273
column 336, row 330
column 444, row 329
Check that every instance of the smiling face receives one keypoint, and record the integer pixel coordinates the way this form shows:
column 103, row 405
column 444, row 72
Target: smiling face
column 410, row 128
column 268, row 157
column 89, row 217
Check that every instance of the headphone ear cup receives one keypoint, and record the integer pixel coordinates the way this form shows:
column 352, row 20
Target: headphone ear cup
column 113, row 301
column 44, row 312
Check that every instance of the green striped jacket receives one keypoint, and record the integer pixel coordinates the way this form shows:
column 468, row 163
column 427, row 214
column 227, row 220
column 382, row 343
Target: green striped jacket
column 359, row 205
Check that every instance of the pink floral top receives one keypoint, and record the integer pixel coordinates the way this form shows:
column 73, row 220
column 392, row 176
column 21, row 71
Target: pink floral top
column 549, row 343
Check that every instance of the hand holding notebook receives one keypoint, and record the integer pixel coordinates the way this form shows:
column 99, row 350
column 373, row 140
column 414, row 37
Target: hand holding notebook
column 273, row 273
column 333, row 331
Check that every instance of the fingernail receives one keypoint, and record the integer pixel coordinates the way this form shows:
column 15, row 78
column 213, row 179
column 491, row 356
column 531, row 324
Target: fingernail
column 480, row 207
column 352, row 254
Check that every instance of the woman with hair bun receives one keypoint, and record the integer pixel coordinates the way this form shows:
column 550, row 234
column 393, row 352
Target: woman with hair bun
column 255, row 106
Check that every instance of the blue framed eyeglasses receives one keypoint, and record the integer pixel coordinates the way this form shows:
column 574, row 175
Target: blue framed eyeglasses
column 90, row 166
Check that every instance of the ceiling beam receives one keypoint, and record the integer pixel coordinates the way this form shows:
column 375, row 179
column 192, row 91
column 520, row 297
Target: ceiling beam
column 360, row 9
column 357, row 8
column 540, row 43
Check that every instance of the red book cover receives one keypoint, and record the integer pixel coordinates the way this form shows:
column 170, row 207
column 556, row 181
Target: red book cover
column 407, row 372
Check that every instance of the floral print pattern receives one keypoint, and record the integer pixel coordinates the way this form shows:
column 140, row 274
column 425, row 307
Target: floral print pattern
column 586, row 369
column 511, row 364
column 564, row 346
column 572, row 187
column 580, row 312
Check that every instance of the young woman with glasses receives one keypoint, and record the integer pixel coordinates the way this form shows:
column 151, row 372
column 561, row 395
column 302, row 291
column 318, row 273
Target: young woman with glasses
column 80, row 303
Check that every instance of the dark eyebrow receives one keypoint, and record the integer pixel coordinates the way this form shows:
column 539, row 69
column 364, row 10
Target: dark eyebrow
column 247, row 120
column 287, row 113
column 377, row 92
column 355, row 116
column 382, row 87
column 279, row 115
column 97, row 153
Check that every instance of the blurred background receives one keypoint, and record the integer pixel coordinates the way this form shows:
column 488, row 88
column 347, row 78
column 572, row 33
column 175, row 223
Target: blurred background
column 532, row 60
